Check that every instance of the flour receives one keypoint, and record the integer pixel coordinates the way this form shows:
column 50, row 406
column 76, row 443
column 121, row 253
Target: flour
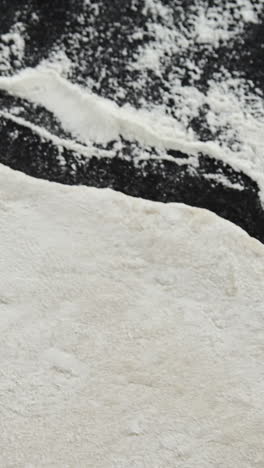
column 59, row 62
column 126, row 324
column 219, row 24
column 12, row 46
column 221, row 179
column 91, row 118
column 198, row 25
column 172, row 42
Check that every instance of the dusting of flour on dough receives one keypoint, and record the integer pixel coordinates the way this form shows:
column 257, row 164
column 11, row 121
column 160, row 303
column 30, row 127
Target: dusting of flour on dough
column 126, row 324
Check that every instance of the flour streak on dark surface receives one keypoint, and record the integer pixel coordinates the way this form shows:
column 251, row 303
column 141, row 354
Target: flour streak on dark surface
column 50, row 24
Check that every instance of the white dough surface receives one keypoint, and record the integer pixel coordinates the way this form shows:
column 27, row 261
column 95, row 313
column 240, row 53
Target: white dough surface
column 131, row 332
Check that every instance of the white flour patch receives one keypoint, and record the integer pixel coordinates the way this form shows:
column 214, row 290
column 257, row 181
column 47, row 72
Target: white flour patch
column 199, row 24
column 59, row 62
column 221, row 179
column 232, row 108
column 218, row 24
column 12, row 46
column 126, row 324
column 236, row 118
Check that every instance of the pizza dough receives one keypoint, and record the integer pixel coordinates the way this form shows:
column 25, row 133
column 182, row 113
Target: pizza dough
column 131, row 332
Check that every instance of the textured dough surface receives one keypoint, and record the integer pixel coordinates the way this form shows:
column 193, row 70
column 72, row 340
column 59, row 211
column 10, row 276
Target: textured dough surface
column 131, row 332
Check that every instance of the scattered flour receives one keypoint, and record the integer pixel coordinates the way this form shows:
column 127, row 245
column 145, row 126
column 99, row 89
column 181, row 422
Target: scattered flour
column 59, row 62
column 219, row 24
column 221, row 179
column 12, row 45
column 91, row 118
column 126, row 325
column 211, row 26
column 233, row 111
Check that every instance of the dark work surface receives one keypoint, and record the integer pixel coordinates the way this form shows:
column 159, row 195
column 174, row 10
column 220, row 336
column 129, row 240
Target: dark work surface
column 164, row 181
